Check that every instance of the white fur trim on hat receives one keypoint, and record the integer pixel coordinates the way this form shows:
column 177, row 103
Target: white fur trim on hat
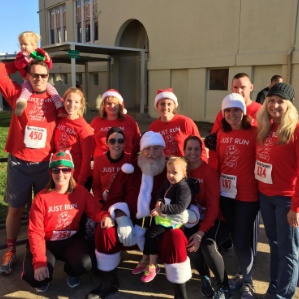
column 116, row 94
column 107, row 262
column 151, row 138
column 233, row 100
column 179, row 272
column 165, row 94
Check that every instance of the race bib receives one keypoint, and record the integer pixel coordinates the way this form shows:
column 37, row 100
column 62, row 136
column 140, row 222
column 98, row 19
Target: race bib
column 263, row 172
column 35, row 137
column 62, row 234
column 228, row 185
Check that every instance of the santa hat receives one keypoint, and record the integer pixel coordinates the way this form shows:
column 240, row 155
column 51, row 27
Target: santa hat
column 61, row 159
column 233, row 100
column 116, row 94
column 151, row 138
column 165, row 94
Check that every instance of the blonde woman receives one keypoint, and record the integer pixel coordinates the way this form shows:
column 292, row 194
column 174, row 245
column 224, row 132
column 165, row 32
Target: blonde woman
column 73, row 133
column 277, row 171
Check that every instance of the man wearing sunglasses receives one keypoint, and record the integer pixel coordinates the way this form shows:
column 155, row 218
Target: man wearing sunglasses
column 29, row 144
column 131, row 198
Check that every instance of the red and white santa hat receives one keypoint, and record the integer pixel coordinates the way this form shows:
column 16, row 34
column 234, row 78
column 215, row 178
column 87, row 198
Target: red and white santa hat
column 114, row 93
column 151, row 138
column 165, row 94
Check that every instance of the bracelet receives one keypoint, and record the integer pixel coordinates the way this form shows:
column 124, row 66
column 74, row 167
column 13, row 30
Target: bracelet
column 199, row 236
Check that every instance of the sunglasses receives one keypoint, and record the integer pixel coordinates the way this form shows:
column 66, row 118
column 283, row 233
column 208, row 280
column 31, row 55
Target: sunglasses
column 64, row 170
column 114, row 140
column 36, row 76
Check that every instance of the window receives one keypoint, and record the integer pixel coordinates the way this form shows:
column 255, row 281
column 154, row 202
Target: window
column 95, row 79
column 58, row 32
column 86, row 21
column 218, row 79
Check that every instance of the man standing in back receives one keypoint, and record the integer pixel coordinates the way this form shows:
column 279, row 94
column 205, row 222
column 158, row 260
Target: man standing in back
column 263, row 93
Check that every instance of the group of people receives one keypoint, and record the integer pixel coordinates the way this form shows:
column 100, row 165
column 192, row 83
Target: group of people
column 158, row 192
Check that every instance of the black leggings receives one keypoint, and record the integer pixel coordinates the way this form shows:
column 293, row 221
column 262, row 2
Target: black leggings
column 208, row 256
column 240, row 217
column 151, row 238
column 72, row 251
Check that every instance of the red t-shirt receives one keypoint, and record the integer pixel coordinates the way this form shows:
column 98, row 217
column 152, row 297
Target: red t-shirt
column 102, row 126
column 236, row 162
column 280, row 162
column 76, row 136
column 30, row 136
column 175, row 132
column 251, row 110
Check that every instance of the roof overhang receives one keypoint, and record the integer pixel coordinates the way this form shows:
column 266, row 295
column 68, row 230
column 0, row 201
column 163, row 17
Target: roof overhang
column 88, row 52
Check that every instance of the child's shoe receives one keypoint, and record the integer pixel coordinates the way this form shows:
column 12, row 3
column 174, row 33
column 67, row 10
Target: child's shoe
column 20, row 106
column 61, row 112
column 139, row 268
column 150, row 273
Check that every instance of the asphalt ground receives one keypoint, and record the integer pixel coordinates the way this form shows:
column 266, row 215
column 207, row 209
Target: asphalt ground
column 11, row 286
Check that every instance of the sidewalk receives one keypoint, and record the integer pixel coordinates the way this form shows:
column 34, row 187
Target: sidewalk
column 130, row 285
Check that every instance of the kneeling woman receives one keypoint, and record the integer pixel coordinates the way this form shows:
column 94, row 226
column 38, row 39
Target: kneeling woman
column 54, row 224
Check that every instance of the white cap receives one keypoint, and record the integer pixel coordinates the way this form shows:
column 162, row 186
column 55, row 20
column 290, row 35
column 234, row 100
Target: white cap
column 233, row 100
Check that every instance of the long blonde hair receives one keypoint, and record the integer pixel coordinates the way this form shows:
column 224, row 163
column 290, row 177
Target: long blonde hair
column 286, row 127
column 81, row 94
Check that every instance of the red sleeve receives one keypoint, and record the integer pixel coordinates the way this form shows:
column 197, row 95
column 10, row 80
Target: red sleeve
column 210, row 190
column 21, row 61
column 9, row 89
column 295, row 197
column 36, row 232
column 86, row 138
column 93, row 208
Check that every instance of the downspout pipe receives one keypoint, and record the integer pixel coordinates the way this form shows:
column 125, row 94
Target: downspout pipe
column 291, row 50
column 289, row 65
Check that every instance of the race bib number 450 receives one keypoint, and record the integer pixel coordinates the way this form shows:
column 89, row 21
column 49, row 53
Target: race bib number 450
column 35, row 137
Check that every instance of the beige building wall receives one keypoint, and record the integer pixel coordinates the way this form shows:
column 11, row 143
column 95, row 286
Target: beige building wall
column 188, row 38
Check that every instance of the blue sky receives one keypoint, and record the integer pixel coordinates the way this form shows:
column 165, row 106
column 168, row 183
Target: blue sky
column 16, row 16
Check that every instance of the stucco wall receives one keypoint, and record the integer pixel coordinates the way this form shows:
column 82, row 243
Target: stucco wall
column 186, row 38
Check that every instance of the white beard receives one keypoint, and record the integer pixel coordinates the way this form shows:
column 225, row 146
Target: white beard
column 151, row 166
